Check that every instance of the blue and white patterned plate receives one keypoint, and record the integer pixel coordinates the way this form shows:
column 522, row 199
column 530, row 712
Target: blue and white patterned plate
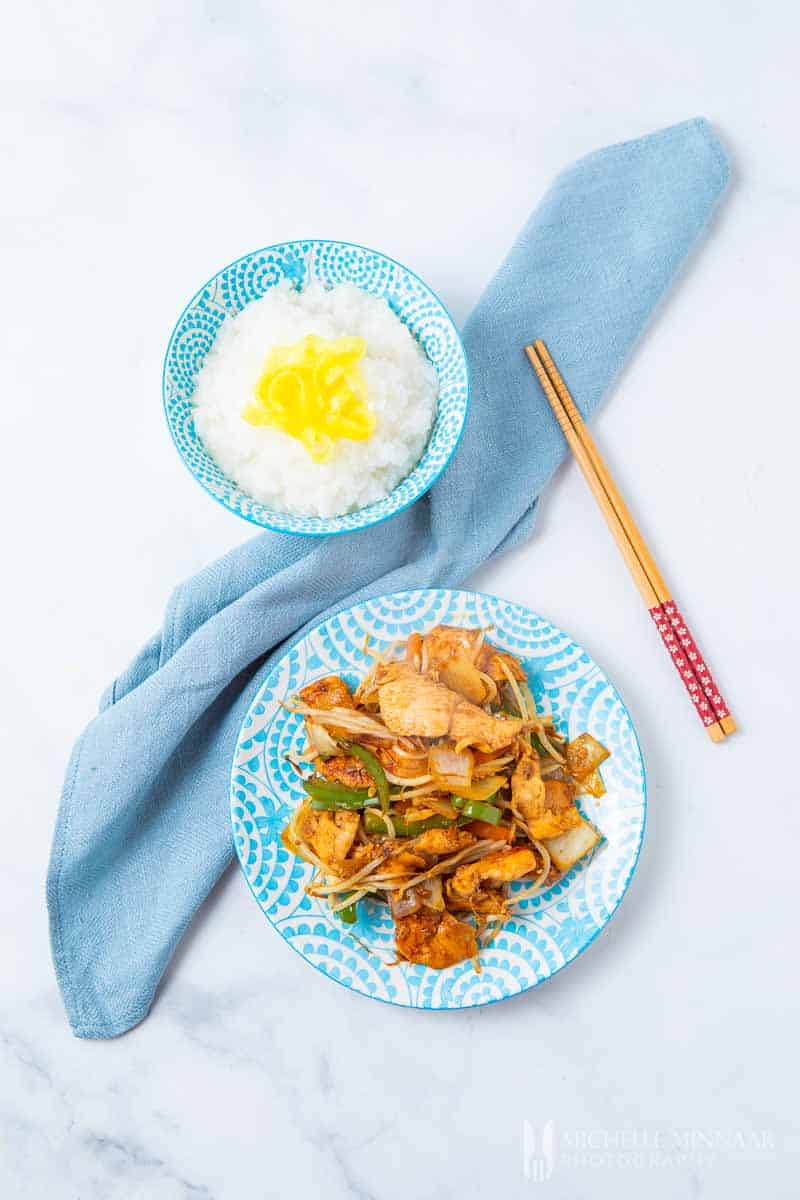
column 546, row 931
column 329, row 263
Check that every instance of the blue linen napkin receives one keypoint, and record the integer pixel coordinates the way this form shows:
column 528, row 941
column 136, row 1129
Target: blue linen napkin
column 143, row 829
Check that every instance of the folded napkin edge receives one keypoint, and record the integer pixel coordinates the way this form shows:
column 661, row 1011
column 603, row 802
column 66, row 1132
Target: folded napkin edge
column 701, row 125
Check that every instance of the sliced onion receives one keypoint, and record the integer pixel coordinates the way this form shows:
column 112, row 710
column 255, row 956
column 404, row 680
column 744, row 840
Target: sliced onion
column 412, row 899
column 343, row 718
column 539, row 725
column 348, row 900
column 450, row 768
column 403, row 904
column 492, row 766
column 387, row 820
column 494, row 926
column 415, row 744
column 491, row 688
column 414, row 650
column 418, row 793
column 477, row 645
column 441, row 807
column 413, row 781
column 471, row 854
column 321, row 740
column 342, row 884
column 403, row 752
column 482, row 789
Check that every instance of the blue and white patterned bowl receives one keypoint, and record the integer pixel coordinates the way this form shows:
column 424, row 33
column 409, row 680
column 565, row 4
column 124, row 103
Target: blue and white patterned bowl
column 546, row 931
column 329, row 263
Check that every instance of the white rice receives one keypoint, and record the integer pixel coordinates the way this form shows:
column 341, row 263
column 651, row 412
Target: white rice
column 274, row 467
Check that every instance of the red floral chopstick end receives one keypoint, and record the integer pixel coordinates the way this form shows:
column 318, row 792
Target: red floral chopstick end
column 691, row 665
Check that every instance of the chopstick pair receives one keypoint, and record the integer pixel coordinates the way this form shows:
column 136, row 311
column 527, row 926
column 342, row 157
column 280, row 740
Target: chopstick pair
column 689, row 662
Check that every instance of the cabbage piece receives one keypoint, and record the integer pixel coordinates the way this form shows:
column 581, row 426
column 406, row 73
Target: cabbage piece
column 451, row 769
column 593, row 785
column 584, row 755
column 568, row 848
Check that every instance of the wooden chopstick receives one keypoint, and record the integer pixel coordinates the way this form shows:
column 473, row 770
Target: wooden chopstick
column 690, row 664
column 668, row 618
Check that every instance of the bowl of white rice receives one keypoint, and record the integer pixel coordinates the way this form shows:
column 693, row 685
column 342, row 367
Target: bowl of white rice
column 325, row 328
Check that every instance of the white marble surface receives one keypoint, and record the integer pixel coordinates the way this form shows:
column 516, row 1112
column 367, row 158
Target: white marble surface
column 147, row 144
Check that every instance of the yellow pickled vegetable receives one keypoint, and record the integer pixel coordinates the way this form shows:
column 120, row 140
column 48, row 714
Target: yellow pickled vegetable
column 314, row 391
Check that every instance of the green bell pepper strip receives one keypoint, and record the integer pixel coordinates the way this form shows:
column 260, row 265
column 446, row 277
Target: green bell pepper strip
column 374, row 768
column 374, row 824
column 508, row 704
column 348, row 914
column 328, row 796
column 542, row 750
column 476, row 810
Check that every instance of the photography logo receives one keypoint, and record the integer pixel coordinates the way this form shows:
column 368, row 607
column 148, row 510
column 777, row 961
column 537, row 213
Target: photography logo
column 649, row 1146
column 538, row 1151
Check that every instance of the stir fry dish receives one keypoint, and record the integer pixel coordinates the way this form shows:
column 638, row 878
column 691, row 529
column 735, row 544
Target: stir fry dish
column 435, row 786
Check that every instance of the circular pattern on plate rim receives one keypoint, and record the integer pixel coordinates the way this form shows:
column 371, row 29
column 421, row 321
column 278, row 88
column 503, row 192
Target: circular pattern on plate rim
column 330, row 263
column 545, row 932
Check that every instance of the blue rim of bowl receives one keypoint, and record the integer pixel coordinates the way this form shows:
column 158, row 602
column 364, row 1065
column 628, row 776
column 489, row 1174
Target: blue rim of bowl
column 589, row 941
column 320, row 532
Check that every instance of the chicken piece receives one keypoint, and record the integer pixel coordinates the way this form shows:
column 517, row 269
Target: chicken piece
column 527, row 785
column 417, row 706
column 443, row 841
column 397, row 858
column 495, row 869
column 403, row 862
column 383, row 672
column 329, row 834
column 549, row 806
column 462, row 676
column 388, row 672
column 435, row 939
column 327, row 693
column 489, row 660
column 471, row 726
column 447, row 641
column 365, row 852
column 345, row 769
column 447, row 653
